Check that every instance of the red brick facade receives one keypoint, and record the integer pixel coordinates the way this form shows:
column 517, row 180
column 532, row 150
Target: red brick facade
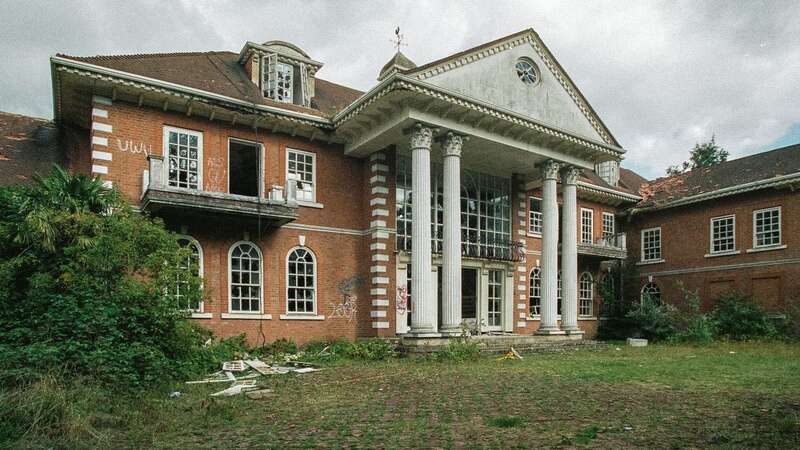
column 771, row 277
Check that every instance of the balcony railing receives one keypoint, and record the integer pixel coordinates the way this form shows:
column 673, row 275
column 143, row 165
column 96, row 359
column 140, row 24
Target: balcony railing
column 277, row 208
column 472, row 247
column 610, row 245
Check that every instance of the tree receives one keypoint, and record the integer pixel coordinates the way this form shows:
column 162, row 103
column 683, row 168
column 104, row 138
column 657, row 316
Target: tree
column 702, row 155
column 86, row 286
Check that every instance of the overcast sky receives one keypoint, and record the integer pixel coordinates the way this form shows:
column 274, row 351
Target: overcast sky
column 661, row 75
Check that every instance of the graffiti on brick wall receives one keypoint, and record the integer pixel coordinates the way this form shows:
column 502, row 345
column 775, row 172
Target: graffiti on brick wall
column 129, row 146
column 215, row 179
column 403, row 306
column 348, row 306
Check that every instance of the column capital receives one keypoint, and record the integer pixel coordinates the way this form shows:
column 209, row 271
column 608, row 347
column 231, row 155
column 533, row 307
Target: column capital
column 452, row 143
column 550, row 169
column 421, row 136
column 569, row 174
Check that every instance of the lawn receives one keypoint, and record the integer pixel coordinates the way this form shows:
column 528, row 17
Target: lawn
column 717, row 396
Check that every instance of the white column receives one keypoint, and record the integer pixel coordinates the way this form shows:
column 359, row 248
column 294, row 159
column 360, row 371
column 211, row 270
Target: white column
column 422, row 296
column 451, row 252
column 548, row 324
column 569, row 253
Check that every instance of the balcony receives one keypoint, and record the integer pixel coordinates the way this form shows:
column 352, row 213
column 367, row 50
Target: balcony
column 472, row 247
column 159, row 197
column 611, row 246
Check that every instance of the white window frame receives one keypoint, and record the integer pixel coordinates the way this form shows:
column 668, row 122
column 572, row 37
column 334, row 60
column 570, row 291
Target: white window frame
column 165, row 154
column 780, row 228
column 660, row 245
column 646, row 287
column 260, row 278
column 712, row 221
column 535, row 275
column 587, row 237
column 196, row 243
column 315, row 302
column 313, row 201
column 533, row 216
column 590, row 298
column 612, row 221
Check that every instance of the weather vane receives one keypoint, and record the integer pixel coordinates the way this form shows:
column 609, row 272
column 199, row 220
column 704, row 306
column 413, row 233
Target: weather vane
column 398, row 39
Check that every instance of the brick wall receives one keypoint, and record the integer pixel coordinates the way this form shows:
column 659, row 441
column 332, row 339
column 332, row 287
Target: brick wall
column 771, row 277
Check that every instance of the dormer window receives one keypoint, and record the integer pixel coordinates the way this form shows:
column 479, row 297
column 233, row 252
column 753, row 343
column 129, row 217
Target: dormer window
column 280, row 86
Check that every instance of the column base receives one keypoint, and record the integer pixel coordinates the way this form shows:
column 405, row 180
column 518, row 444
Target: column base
column 451, row 331
column 574, row 332
column 549, row 331
column 421, row 334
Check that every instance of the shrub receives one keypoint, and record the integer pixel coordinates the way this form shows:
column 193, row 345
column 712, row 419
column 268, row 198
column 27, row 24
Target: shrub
column 372, row 350
column 279, row 347
column 653, row 320
column 85, row 287
column 739, row 318
column 458, row 350
column 692, row 325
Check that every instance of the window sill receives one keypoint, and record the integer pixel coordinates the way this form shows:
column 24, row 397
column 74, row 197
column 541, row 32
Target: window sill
column 654, row 261
column 714, row 255
column 301, row 317
column 246, row 316
column 587, row 318
column 534, row 235
column 766, row 249
column 308, row 204
column 534, row 318
column 201, row 315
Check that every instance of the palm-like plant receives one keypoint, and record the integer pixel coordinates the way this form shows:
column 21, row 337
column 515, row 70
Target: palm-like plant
column 28, row 213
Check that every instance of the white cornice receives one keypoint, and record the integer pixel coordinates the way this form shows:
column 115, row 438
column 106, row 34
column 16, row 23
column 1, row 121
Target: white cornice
column 618, row 195
column 775, row 182
column 64, row 64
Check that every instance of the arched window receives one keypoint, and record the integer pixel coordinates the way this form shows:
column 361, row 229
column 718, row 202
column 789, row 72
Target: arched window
column 608, row 289
column 245, row 278
column 585, row 294
column 301, row 286
column 652, row 291
column 535, row 292
column 193, row 264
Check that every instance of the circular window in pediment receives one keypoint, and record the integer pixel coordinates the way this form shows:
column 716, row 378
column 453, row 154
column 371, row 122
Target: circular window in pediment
column 527, row 71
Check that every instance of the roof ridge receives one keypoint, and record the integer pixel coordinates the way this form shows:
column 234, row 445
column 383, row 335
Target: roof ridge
column 728, row 162
column 142, row 55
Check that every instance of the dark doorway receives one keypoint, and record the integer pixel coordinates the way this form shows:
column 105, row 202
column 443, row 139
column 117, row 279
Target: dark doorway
column 244, row 168
column 469, row 294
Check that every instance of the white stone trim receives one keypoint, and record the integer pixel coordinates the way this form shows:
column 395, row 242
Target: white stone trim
column 380, row 212
column 101, row 100
column 380, row 235
column 380, row 324
column 377, row 179
column 104, row 127
column 96, row 168
column 301, row 317
column 377, row 246
column 379, row 168
column 102, row 156
column 108, row 184
column 246, row 316
column 97, row 112
column 766, row 248
column 377, row 156
column 522, row 306
column 376, row 190
column 723, row 267
column 375, row 269
column 380, row 302
column 377, row 201
column 377, row 313
column 380, row 280
column 99, row 140
column 377, row 292
column 522, row 324
column 201, row 315
column 380, row 257
column 377, row 224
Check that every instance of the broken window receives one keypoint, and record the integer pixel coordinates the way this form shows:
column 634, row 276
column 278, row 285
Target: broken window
column 184, row 150
column 300, row 168
column 192, row 265
column 245, row 278
column 244, row 168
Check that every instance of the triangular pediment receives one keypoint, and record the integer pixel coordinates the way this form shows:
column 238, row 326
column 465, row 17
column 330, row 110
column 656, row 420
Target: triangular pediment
column 488, row 73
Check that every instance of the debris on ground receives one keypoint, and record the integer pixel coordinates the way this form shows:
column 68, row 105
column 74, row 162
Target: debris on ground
column 250, row 372
column 174, row 394
column 510, row 354
column 637, row 342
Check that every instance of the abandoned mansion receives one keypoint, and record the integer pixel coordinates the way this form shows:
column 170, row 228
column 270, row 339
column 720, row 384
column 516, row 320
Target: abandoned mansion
column 478, row 190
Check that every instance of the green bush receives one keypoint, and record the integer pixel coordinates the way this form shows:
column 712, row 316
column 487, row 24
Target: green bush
column 86, row 288
column 458, row 350
column 279, row 347
column 692, row 325
column 372, row 350
column 653, row 320
column 739, row 318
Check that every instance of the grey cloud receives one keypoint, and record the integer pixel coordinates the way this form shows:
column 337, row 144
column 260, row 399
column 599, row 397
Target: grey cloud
column 662, row 75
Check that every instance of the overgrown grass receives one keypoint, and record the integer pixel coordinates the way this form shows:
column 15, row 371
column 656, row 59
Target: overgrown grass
column 722, row 395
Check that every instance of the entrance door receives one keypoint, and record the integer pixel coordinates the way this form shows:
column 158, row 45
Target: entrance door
column 469, row 296
column 494, row 301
